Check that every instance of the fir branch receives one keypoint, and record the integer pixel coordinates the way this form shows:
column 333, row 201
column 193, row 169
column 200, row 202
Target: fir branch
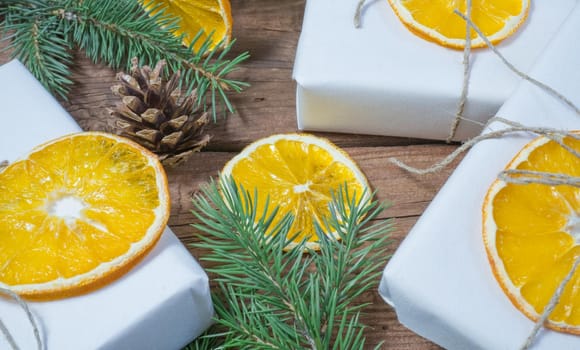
column 113, row 32
column 270, row 298
column 211, row 339
column 38, row 43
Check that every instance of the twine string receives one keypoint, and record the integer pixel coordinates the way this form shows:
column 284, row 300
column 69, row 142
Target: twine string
column 6, row 333
column 553, row 134
column 526, row 177
column 466, row 71
column 550, row 307
column 466, row 75
column 550, row 133
column 477, row 122
column 358, row 13
column 29, row 315
column 518, row 72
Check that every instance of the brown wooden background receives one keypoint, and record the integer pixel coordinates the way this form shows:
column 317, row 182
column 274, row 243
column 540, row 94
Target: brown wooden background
column 269, row 30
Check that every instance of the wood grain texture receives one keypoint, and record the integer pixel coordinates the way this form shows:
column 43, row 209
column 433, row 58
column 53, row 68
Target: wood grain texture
column 269, row 31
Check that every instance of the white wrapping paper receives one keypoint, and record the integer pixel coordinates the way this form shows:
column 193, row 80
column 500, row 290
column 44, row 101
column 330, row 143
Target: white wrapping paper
column 162, row 303
column 439, row 280
column 381, row 79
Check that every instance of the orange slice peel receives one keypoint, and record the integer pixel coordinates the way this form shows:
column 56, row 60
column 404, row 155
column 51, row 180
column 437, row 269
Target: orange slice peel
column 298, row 174
column 78, row 212
column 210, row 19
column 435, row 20
column 531, row 234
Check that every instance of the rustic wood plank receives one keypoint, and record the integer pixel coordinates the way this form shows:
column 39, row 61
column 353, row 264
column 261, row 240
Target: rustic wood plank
column 409, row 194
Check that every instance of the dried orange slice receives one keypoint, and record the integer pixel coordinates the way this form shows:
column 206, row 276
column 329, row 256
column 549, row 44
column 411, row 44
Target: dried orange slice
column 298, row 173
column 212, row 17
column 532, row 234
column 77, row 212
column 435, row 21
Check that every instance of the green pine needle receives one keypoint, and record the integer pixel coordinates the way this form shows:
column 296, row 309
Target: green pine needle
column 42, row 35
column 38, row 46
column 269, row 298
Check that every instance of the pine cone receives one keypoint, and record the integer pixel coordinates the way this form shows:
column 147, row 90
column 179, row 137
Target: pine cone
column 153, row 114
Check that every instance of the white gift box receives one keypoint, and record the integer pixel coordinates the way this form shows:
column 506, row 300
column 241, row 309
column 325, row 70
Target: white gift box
column 439, row 280
column 381, row 79
column 162, row 303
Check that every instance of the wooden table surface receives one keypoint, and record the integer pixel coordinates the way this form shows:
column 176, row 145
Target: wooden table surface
column 269, row 30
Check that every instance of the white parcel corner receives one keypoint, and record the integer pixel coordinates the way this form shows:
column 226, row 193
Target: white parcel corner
column 162, row 303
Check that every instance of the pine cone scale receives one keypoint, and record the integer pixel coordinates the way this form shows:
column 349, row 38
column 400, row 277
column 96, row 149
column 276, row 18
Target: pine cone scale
column 135, row 104
column 152, row 116
column 178, row 123
column 170, row 141
column 127, row 113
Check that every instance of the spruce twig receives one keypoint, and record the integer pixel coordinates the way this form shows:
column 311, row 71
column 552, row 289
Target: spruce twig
column 43, row 33
column 43, row 51
column 274, row 299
